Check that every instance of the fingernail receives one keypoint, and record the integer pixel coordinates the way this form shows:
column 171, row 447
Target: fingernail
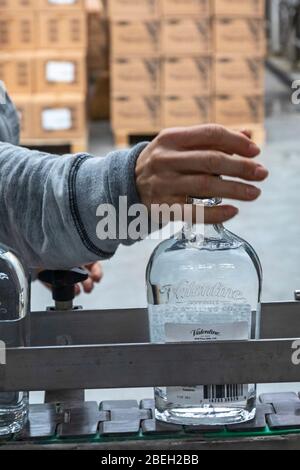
column 254, row 148
column 260, row 172
column 232, row 211
column 253, row 192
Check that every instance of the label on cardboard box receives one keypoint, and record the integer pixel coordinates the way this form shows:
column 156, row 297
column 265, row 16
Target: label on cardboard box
column 60, row 72
column 59, row 119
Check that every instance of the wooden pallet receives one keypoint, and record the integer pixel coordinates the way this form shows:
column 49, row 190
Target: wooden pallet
column 75, row 145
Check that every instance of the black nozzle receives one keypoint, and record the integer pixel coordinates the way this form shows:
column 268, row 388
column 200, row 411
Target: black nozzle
column 63, row 282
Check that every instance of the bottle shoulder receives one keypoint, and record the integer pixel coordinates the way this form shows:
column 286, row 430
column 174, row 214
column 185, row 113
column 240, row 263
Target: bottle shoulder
column 227, row 242
column 225, row 253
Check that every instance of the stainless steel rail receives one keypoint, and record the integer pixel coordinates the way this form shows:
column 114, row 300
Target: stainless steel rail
column 88, row 360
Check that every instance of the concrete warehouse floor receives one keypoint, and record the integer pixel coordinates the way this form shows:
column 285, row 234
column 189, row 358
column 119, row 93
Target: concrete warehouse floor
column 271, row 224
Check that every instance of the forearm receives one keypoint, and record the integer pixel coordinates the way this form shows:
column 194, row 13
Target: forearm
column 48, row 203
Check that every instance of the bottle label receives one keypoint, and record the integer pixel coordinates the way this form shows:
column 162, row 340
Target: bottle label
column 205, row 394
column 187, row 332
column 192, row 291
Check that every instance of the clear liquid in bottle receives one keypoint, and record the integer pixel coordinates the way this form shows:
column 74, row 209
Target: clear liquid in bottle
column 14, row 332
column 204, row 289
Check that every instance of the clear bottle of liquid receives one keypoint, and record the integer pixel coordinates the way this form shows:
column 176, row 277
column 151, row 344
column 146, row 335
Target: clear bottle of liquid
column 204, row 287
column 14, row 332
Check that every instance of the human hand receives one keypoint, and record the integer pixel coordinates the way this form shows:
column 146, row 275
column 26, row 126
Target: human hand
column 183, row 162
column 95, row 275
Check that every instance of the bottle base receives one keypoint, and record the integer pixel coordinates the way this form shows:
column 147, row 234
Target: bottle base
column 13, row 420
column 205, row 416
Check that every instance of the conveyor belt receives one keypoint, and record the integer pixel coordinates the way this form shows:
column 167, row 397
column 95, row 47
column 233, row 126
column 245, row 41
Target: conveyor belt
column 277, row 415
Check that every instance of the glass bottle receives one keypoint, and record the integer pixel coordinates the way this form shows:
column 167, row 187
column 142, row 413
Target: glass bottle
column 204, row 287
column 14, row 332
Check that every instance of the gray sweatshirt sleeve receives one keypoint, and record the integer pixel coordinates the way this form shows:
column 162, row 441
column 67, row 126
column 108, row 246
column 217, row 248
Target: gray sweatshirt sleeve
column 48, row 203
column 9, row 122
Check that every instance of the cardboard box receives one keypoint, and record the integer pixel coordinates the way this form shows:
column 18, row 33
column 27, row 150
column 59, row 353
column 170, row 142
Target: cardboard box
column 135, row 38
column 60, row 4
column 183, row 74
column 242, row 8
column 17, row 32
column 17, row 4
column 17, row 72
column 186, row 7
column 240, row 36
column 136, row 112
column 25, row 111
column 136, row 75
column 132, row 9
column 59, row 117
column 187, row 110
column 60, row 72
column 239, row 110
column 237, row 74
column 186, row 36
column 62, row 30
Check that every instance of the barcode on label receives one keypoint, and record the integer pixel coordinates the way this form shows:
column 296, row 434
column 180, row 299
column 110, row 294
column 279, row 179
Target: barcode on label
column 223, row 393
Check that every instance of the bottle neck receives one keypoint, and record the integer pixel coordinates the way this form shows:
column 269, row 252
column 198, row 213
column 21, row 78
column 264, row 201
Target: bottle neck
column 200, row 233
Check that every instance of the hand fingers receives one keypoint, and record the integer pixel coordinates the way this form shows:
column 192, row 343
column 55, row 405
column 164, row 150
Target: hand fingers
column 206, row 215
column 219, row 214
column 215, row 215
column 95, row 270
column 211, row 137
column 95, row 275
column 213, row 186
column 88, row 286
column 247, row 132
column 218, row 163
column 77, row 289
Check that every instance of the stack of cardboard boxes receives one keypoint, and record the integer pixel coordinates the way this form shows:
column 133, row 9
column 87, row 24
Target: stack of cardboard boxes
column 43, row 45
column 135, row 66
column 98, row 60
column 98, row 38
column 187, row 43
column 186, row 62
column 240, row 47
